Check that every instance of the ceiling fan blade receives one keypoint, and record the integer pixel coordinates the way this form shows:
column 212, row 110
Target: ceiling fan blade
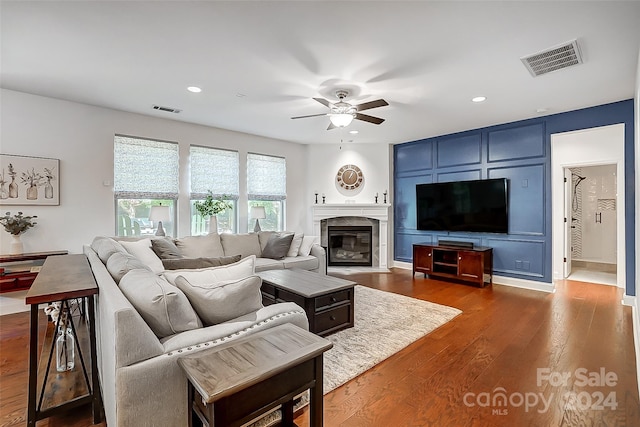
column 311, row 115
column 371, row 104
column 370, row 119
column 331, row 126
column 323, row 102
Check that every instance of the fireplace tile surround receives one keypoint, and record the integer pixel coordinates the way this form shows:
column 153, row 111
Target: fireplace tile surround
column 356, row 214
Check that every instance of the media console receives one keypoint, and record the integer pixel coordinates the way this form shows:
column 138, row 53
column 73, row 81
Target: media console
column 473, row 265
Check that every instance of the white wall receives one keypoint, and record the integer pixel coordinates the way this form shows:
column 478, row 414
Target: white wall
column 81, row 136
column 323, row 162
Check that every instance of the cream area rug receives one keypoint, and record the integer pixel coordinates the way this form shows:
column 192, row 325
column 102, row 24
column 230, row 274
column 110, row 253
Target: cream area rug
column 385, row 323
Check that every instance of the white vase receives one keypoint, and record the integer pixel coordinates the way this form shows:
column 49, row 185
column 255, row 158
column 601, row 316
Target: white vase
column 16, row 244
column 213, row 225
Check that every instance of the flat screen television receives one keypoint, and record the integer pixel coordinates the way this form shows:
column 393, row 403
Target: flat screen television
column 476, row 206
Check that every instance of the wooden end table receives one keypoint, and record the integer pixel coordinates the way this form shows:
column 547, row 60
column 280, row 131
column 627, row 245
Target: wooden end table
column 62, row 278
column 328, row 301
column 18, row 271
column 236, row 382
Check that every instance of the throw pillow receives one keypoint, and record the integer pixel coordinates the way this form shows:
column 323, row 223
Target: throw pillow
column 237, row 270
column 263, row 238
column 307, row 243
column 195, row 263
column 105, row 247
column 201, row 246
column 141, row 249
column 165, row 308
column 277, row 246
column 243, row 244
column 120, row 264
column 165, row 249
column 223, row 301
column 295, row 244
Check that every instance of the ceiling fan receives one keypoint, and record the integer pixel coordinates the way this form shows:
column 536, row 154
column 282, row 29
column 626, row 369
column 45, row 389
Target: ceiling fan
column 342, row 113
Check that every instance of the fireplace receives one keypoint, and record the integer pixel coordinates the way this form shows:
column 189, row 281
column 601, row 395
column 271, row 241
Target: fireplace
column 349, row 245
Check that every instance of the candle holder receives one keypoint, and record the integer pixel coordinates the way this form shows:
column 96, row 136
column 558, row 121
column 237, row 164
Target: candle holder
column 316, row 198
column 384, row 195
column 376, row 198
column 323, row 198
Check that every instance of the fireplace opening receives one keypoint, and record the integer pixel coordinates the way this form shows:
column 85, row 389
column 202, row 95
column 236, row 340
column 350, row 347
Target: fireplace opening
column 349, row 245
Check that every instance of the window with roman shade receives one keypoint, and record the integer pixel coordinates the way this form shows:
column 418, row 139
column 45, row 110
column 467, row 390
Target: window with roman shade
column 215, row 170
column 267, row 187
column 145, row 174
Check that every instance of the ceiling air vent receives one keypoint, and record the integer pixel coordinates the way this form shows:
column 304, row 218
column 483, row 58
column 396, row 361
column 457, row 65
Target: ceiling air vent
column 555, row 58
column 166, row 109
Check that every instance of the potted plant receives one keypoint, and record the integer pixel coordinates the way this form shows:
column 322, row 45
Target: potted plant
column 212, row 206
column 16, row 225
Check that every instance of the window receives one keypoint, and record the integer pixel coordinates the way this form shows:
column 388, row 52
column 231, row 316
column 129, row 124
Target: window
column 267, row 187
column 217, row 171
column 145, row 174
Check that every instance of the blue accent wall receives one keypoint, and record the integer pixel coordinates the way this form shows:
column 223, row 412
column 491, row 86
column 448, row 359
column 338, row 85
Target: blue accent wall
column 521, row 152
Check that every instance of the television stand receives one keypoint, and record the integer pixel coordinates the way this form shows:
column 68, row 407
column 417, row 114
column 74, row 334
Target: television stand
column 473, row 266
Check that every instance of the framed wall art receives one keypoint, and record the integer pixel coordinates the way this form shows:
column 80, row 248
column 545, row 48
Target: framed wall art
column 29, row 180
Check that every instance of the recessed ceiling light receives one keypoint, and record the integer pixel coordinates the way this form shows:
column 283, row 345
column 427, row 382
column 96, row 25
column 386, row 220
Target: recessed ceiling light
column 240, row 95
column 353, row 132
column 194, row 89
column 541, row 110
column 479, row 99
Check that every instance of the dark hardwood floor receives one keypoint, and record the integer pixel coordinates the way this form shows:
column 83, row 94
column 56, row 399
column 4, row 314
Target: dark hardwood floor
column 459, row 375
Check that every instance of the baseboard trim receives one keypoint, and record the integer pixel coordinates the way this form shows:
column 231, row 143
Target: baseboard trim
column 500, row 280
column 632, row 301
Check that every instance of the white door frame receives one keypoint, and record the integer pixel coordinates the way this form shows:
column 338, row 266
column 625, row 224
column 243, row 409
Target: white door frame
column 586, row 147
column 568, row 222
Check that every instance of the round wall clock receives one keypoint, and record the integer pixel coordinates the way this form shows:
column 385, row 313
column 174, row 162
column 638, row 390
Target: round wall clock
column 349, row 177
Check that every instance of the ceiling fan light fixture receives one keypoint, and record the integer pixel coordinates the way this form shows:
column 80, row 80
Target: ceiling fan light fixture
column 341, row 120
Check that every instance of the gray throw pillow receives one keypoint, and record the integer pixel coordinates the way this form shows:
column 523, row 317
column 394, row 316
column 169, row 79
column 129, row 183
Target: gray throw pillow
column 189, row 263
column 165, row 249
column 120, row 264
column 164, row 307
column 277, row 246
column 105, row 247
column 222, row 301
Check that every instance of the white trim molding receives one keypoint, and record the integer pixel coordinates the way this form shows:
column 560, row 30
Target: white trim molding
column 632, row 301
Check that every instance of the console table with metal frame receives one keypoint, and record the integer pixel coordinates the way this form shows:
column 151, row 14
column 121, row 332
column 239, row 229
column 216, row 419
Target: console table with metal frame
column 63, row 278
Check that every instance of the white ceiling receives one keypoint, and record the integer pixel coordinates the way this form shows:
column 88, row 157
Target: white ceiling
column 427, row 59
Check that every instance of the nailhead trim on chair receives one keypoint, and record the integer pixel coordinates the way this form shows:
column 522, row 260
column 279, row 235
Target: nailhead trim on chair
column 219, row 340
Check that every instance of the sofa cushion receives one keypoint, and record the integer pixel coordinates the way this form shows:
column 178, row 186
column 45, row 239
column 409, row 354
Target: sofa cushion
column 166, row 249
column 307, row 242
column 208, row 246
column 221, row 301
column 243, row 244
column 120, row 264
column 303, row 262
column 263, row 264
column 105, row 247
column 277, row 246
column 295, row 244
column 141, row 249
column 238, row 270
column 164, row 307
column 196, row 263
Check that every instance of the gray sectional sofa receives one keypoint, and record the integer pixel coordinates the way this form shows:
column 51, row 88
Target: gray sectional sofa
column 141, row 382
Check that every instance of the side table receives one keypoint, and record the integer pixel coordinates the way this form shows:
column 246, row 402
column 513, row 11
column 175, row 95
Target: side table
column 236, row 382
column 18, row 271
column 62, row 278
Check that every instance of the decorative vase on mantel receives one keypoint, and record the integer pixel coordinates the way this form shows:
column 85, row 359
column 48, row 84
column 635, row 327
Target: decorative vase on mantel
column 16, row 244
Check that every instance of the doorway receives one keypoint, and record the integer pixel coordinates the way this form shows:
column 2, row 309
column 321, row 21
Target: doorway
column 591, row 193
column 580, row 149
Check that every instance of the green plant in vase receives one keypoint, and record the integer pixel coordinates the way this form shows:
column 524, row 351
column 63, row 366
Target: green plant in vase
column 212, row 206
column 16, row 225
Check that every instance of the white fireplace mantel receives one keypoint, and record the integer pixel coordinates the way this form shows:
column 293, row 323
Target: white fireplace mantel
column 375, row 211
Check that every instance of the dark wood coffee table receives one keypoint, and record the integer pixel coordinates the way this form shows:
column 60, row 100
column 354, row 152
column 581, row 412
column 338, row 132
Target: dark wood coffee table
column 232, row 384
column 328, row 301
